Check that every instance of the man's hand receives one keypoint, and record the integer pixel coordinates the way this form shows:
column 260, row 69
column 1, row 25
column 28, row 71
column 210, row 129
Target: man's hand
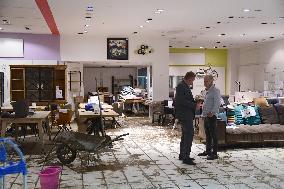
column 210, row 114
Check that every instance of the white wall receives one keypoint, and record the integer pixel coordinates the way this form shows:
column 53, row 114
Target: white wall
column 198, row 84
column 104, row 75
column 256, row 60
column 232, row 70
column 94, row 49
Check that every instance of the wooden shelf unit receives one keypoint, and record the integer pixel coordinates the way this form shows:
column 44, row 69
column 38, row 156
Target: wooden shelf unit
column 40, row 83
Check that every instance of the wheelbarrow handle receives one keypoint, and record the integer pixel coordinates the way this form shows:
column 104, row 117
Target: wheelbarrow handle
column 119, row 137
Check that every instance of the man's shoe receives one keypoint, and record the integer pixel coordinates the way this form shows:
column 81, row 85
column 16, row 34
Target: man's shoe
column 212, row 157
column 203, row 154
column 180, row 157
column 188, row 162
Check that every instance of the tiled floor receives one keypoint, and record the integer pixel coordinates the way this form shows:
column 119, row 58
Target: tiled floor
column 148, row 158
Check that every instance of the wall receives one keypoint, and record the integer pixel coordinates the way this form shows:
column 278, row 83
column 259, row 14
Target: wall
column 39, row 49
column 93, row 49
column 104, row 75
column 37, row 46
column 259, row 60
column 217, row 58
column 232, row 70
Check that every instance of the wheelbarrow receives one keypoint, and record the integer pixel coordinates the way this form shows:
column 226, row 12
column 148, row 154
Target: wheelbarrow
column 70, row 143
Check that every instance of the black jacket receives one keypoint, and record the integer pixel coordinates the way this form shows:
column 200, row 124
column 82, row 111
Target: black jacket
column 184, row 102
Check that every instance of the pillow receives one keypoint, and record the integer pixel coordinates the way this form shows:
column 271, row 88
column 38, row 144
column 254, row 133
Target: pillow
column 280, row 111
column 238, row 114
column 269, row 115
column 260, row 101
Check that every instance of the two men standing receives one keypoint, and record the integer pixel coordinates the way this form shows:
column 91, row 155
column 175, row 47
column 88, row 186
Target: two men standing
column 185, row 106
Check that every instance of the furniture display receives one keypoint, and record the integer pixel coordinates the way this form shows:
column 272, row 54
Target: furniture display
column 117, row 84
column 83, row 115
column 38, row 117
column 250, row 131
column 38, row 83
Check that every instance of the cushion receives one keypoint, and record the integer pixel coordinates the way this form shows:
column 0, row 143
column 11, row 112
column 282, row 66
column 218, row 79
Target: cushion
column 238, row 115
column 269, row 115
column 261, row 101
column 280, row 111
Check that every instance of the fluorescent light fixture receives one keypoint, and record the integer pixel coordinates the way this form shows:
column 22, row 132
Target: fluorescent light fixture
column 246, row 10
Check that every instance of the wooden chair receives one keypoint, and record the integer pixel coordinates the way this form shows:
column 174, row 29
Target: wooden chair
column 64, row 119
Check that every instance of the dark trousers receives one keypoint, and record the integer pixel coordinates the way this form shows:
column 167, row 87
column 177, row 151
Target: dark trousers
column 210, row 125
column 186, row 137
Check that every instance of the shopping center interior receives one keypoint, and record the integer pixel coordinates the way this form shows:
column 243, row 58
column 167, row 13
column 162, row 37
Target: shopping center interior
column 87, row 90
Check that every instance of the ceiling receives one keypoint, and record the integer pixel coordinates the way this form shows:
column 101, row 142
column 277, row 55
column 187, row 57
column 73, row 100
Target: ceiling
column 182, row 22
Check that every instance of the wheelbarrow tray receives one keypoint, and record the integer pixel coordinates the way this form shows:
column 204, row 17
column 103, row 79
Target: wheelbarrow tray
column 82, row 141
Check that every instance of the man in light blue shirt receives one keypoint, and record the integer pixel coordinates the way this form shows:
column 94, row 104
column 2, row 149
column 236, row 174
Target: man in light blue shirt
column 210, row 110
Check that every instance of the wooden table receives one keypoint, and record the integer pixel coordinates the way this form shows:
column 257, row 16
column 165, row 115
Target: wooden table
column 83, row 115
column 134, row 101
column 104, row 106
column 38, row 117
column 10, row 108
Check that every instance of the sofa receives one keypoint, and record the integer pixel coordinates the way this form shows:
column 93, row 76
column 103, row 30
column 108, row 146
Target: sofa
column 270, row 130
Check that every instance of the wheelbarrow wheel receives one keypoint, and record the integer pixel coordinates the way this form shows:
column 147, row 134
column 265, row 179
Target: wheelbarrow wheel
column 65, row 154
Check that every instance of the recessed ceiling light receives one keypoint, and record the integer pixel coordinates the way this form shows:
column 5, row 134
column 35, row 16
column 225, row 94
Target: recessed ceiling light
column 263, row 22
column 246, row 10
column 255, row 41
column 218, row 42
column 231, row 17
column 170, row 46
column 257, row 10
column 224, row 46
column 201, row 47
column 160, row 10
column 218, row 22
column 207, row 27
column 88, row 17
column 141, row 26
column 80, row 33
column 271, row 37
column 150, row 19
column 243, row 34
column 215, row 47
column 27, row 28
column 135, row 32
column 222, row 34
column 147, row 21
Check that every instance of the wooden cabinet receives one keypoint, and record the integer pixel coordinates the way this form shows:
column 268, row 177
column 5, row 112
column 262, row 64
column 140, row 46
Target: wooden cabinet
column 37, row 83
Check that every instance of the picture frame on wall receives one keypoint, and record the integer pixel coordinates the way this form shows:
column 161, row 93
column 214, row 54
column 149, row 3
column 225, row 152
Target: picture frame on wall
column 117, row 48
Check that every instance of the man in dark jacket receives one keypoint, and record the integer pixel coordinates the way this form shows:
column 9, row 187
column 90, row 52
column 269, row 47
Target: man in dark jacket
column 185, row 108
